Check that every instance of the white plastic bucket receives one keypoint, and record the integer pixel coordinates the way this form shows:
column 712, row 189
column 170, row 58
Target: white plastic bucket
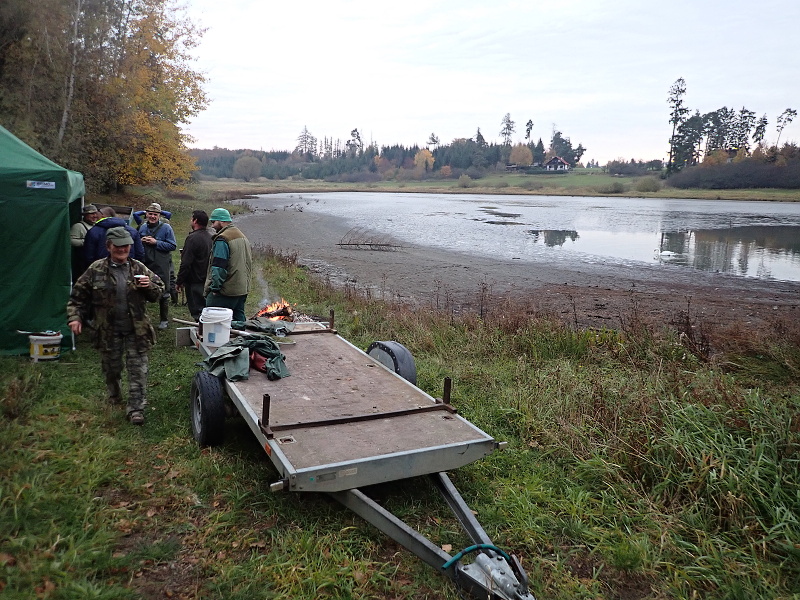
column 45, row 347
column 216, row 324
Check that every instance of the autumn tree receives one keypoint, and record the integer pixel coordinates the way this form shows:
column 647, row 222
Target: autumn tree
column 104, row 86
column 521, row 155
column 423, row 160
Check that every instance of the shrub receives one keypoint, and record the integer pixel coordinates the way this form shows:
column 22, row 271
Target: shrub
column 475, row 173
column 465, row 181
column 748, row 173
column 615, row 187
column 532, row 185
column 647, row 184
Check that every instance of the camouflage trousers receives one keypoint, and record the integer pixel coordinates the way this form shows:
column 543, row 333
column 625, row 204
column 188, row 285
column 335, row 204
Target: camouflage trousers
column 111, row 361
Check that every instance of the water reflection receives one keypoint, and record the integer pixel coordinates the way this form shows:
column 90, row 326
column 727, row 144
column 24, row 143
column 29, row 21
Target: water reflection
column 754, row 251
column 553, row 237
column 766, row 252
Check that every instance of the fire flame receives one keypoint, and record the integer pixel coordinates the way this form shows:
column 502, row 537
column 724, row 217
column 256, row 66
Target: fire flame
column 277, row 311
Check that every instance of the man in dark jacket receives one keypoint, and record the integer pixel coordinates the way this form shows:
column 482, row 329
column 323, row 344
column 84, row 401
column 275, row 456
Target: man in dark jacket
column 115, row 290
column 194, row 263
column 94, row 244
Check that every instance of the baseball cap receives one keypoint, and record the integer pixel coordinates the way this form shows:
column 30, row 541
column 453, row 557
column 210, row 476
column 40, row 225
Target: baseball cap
column 89, row 209
column 154, row 207
column 119, row 236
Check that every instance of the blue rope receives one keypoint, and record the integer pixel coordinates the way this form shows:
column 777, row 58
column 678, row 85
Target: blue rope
column 458, row 556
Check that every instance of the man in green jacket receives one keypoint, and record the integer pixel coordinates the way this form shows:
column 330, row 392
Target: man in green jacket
column 230, row 266
column 114, row 291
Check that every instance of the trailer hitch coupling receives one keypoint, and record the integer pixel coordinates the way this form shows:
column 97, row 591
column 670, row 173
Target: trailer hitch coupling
column 494, row 571
column 499, row 576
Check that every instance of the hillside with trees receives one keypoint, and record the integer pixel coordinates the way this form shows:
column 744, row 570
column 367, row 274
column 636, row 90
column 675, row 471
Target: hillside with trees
column 102, row 86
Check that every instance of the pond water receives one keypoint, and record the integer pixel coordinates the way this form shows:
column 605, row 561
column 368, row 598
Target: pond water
column 749, row 239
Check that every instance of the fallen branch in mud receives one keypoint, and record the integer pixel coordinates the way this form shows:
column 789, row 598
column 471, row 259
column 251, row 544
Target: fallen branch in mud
column 364, row 239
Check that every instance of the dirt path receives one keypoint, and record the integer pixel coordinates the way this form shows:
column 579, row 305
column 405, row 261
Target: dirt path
column 590, row 294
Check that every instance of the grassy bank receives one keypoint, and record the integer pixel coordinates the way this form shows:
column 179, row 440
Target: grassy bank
column 635, row 468
column 575, row 183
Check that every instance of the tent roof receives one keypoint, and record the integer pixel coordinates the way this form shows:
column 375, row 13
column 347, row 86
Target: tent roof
column 21, row 163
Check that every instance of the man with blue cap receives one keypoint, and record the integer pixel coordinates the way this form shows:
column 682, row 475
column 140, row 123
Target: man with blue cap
column 230, row 266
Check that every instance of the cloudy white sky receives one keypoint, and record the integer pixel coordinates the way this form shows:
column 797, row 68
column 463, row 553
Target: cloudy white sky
column 598, row 71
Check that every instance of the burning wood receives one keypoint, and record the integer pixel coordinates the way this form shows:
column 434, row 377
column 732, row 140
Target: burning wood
column 280, row 310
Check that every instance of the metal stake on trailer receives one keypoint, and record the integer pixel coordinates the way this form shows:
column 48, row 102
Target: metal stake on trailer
column 345, row 420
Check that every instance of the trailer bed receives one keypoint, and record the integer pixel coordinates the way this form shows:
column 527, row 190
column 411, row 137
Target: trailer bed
column 342, row 420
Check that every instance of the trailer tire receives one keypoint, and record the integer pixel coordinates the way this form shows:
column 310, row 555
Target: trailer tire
column 207, row 408
column 395, row 357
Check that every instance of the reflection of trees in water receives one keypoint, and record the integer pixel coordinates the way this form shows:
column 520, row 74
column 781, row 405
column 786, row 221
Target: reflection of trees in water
column 553, row 237
column 732, row 250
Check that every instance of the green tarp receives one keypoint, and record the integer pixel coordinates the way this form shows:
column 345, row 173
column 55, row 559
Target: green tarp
column 39, row 200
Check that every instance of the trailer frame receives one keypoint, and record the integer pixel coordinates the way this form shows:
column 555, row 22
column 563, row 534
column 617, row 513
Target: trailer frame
column 364, row 426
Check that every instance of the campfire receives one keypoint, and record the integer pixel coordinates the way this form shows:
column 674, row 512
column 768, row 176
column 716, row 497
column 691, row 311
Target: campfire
column 277, row 311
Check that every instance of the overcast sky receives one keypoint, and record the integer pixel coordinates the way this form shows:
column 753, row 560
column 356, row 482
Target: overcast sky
column 599, row 72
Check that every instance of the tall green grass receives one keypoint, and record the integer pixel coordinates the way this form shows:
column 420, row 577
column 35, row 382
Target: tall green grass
column 639, row 465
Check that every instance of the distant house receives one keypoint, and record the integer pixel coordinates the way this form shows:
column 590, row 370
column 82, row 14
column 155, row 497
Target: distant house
column 556, row 164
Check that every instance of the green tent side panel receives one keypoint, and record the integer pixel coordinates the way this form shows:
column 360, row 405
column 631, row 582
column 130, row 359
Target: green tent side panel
column 39, row 200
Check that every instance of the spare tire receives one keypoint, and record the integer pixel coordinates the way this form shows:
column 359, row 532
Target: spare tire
column 395, row 357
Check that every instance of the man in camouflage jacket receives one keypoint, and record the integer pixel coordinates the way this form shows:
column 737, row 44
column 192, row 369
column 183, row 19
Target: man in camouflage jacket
column 114, row 291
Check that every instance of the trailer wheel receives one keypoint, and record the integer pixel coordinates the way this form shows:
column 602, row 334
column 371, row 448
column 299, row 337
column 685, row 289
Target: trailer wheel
column 396, row 357
column 207, row 406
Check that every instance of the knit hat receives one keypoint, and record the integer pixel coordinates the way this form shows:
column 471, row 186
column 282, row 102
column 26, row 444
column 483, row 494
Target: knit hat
column 154, row 207
column 220, row 214
column 119, row 236
column 89, row 209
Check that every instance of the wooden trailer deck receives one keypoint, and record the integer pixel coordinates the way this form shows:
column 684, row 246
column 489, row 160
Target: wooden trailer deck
column 342, row 420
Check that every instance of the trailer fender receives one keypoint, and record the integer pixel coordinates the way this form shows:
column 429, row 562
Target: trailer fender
column 395, row 357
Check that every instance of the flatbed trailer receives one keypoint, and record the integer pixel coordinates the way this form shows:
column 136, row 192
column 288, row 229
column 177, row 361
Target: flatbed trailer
column 346, row 419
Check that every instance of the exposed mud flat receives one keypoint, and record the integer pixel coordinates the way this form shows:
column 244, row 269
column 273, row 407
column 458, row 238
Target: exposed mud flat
column 589, row 294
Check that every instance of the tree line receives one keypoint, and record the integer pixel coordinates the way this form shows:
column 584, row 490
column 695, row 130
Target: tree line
column 353, row 160
column 728, row 148
column 722, row 131
column 102, row 86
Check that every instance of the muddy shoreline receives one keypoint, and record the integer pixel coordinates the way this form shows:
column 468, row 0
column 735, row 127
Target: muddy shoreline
column 589, row 294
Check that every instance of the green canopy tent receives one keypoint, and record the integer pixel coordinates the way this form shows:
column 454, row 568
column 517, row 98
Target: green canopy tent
column 39, row 200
